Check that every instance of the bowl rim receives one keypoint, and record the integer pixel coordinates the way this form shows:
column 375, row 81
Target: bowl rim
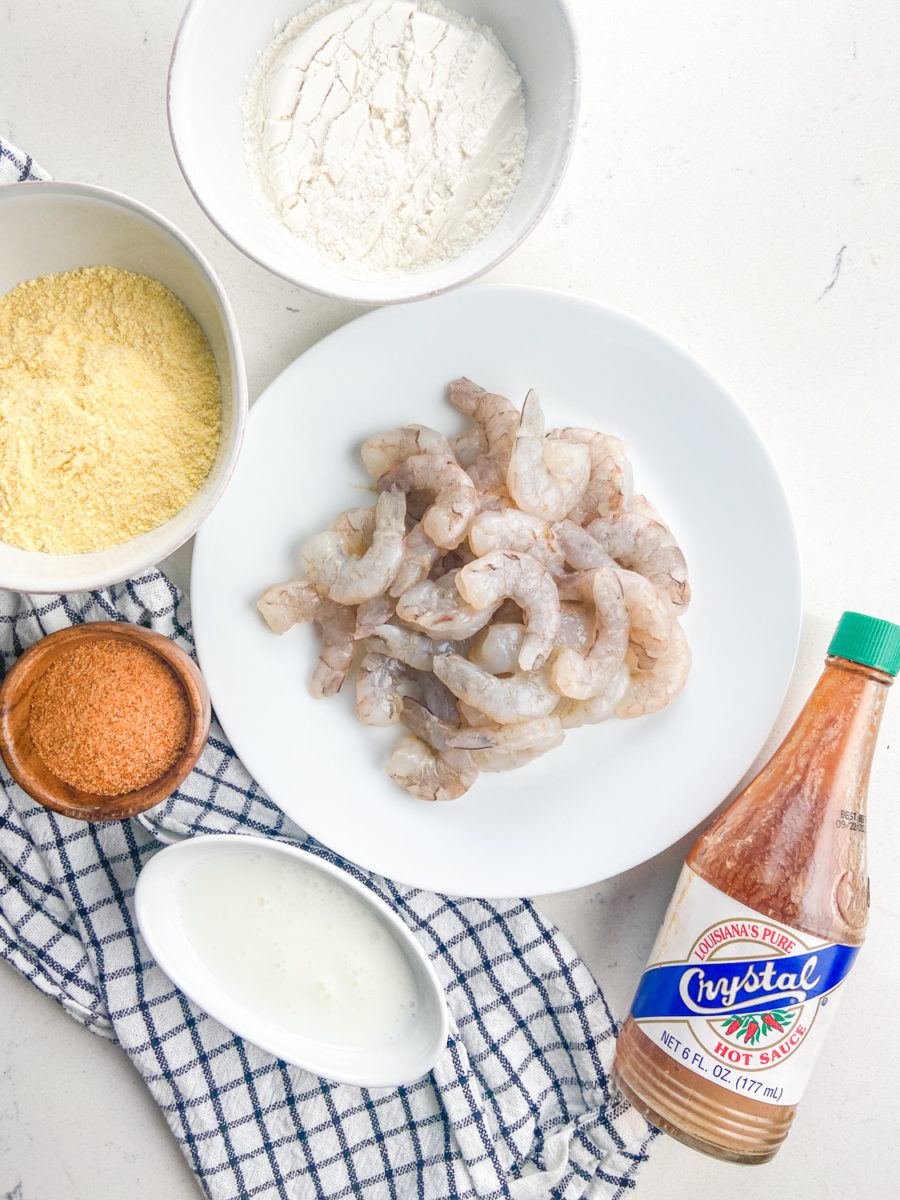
column 372, row 297
column 18, row 688
column 238, row 401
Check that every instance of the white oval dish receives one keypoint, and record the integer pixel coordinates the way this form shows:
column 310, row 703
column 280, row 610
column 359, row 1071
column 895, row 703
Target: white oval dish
column 171, row 924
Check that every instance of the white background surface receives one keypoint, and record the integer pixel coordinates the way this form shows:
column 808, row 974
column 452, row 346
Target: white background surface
column 735, row 183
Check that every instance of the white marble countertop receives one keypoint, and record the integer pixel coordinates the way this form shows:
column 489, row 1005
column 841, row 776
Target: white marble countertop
column 735, row 183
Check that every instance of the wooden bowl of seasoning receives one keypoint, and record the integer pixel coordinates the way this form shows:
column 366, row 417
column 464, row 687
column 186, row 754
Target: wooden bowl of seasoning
column 103, row 720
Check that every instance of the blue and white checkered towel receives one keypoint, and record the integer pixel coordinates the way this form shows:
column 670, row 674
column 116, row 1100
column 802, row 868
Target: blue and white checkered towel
column 519, row 1105
column 17, row 167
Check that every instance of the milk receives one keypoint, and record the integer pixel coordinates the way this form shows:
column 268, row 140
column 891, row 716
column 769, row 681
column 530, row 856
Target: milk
column 297, row 948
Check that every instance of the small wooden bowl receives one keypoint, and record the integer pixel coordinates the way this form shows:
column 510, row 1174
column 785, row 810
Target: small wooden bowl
column 25, row 764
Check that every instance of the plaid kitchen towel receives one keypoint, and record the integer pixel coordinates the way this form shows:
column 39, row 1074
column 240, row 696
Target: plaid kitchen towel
column 518, row 1106
column 16, row 167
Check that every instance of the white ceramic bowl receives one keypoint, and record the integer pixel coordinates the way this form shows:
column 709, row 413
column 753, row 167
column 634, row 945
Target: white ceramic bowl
column 51, row 227
column 160, row 915
column 215, row 52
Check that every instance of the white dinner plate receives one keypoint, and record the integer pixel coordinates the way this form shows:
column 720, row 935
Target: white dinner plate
column 614, row 794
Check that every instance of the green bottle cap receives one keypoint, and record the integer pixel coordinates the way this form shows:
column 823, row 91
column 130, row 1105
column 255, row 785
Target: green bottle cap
column 869, row 641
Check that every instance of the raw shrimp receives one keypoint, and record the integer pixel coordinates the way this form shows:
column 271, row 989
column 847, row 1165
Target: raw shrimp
column 649, row 691
column 336, row 624
column 519, row 697
column 383, row 681
column 446, row 520
column 581, row 676
column 348, row 578
column 495, row 502
column 578, row 548
column 435, row 606
column 648, row 547
column 441, row 734
column 384, row 451
column 286, row 604
column 489, row 619
column 640, row 504
column 576, row 626
column 473, row 717
column 512, row 529
column 498, row 419
column 371, row 614
column 610, row 486
column 515, row 745
column 431, row 774
column 497, row 647
column 508, row 573
column 573, row 713
column 419, row 556
column 452, row 560
column 417, row 650
column 378, row 695
column 356, row 527
column 648, row 612
column 649, row 615
column 545, row 478
column 465, row 396
column 437, row 697
column 467, row 446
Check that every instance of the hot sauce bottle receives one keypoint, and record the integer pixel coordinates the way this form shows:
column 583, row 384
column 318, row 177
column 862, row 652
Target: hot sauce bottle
column 768, row 914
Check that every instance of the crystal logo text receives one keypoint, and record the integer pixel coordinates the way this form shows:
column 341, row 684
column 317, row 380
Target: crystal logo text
column 761, row 985
column 712, row 996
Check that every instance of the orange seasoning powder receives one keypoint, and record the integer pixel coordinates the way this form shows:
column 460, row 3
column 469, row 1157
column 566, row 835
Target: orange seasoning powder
column 109, row 717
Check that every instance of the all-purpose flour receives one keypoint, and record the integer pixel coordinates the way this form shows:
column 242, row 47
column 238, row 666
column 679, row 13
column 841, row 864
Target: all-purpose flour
column 387, row 135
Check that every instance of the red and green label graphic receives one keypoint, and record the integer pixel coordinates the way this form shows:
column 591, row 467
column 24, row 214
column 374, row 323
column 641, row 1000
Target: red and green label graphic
column 753, row 1026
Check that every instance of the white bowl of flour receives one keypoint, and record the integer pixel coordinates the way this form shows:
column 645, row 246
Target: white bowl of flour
column 375, row 151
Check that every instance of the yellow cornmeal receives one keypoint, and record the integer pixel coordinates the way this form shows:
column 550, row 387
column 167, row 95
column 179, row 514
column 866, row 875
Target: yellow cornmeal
column 109, row 409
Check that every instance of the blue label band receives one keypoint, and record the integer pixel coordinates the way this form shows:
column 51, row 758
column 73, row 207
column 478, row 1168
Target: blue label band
column 715, row 989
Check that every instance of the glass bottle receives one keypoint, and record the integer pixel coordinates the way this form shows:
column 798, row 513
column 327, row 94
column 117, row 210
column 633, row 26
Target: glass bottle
column 766, row 920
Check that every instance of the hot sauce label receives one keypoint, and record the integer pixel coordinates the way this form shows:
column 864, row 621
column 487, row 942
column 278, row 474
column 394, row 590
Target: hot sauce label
column 737, row 997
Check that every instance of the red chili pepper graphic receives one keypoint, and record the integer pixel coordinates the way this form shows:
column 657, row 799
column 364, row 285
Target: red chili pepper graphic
column 733, row 1026
column 773, row 1022
column 752, row 1030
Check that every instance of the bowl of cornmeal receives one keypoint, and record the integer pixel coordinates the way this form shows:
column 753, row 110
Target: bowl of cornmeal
column 375, row 151
column 123, row 394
